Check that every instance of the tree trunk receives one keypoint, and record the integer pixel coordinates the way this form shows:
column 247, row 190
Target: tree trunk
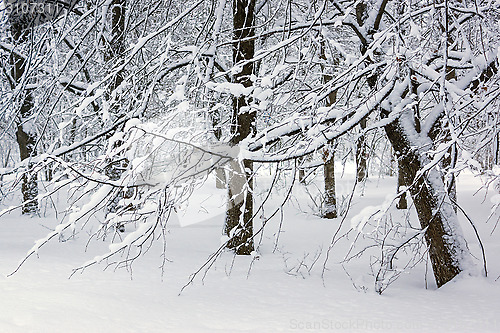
column 116, row 46
column 361, row 155
column 238, row 224
column 239, row 227
column 402, row 181
column 447, row 250
column 25, row 134
column 113, row 51
column 330, row 204
column 361, row 163
column 330, row 200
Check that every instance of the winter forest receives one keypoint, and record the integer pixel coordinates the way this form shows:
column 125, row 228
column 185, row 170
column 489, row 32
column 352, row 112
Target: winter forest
column 249, row 165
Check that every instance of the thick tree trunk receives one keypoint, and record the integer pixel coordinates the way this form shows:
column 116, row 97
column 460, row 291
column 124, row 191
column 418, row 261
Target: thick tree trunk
column 25, row 134
column 238, row 224
column 29, row 187
column 239, row 227
column 447, row 250
column 432, row 196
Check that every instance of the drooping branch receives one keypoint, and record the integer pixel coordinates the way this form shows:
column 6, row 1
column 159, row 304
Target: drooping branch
column 323, row 135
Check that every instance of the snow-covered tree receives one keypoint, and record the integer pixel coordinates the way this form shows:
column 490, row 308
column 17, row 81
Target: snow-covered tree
column 405, row 59
column 201, row 85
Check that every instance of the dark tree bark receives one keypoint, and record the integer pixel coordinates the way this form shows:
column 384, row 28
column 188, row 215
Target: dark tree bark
column 433, row 205
column 447, row 250
column 402, row 181
column 238, row 224
column 114, row 50
column 115, row 47
column 330, row 200
column 431, row 193
column 330, row 204
column 361, row 155
column 403, row 178
column 26, row 136
column 361, row 151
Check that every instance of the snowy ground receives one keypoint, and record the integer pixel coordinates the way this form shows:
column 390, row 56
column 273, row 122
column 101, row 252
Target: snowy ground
column 277, row 294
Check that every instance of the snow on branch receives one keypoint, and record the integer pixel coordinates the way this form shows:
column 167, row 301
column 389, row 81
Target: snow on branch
column 317, row 129
column 482, row 72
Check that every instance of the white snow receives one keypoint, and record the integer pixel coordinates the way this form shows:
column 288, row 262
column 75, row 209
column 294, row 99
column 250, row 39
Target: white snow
column 235, row 89
column 87, row 100
column 280, row 291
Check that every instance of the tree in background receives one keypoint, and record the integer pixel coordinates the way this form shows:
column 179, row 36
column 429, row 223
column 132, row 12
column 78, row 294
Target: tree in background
column 26, row 132
column 239, row 216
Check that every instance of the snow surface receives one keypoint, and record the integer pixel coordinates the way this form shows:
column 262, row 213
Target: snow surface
column 278, row 293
